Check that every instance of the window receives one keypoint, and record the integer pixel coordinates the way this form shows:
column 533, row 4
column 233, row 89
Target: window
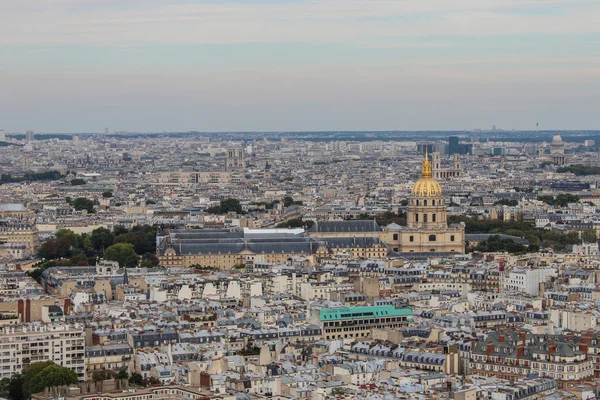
column 395, row 236
column 432, row 217
column 425, row 218
column 416, row 217
column 424, row 202
column 432, row 238
column 431, row 249
column 412, row 239
column 452, row 238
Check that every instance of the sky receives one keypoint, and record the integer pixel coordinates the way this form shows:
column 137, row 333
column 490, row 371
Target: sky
column 298, row 65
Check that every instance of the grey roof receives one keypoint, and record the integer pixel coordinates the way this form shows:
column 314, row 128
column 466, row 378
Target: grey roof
column 345, row 226
column 234, row 242
column 342, row 242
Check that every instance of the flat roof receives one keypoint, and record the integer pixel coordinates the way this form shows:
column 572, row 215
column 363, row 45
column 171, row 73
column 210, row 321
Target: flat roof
column 349, row 313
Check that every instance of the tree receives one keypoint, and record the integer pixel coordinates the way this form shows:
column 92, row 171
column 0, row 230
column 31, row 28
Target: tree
column 107, row 194
column 31, row 371
column 103, row 375
column 563, row 199
column 122, row 374
column 214, row 210
column 589, row 236
column 151, row 381
column 102, row 238
column 47, row 249
column 507, row 202
column 292, row 223
column 81, row 203
column 37, row 273
column 136, row 379
column 149, row 260
column 230, row 205
column 77, row 182
column 79, row 259
column 580, row 169
column 288, row 201
column 143, row 238
column 119, row 230
column 120, row 252
column 12, row 388
column 132, row 261
column 52, row 376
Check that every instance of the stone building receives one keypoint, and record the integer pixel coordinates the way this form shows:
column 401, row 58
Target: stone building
column 427, row 228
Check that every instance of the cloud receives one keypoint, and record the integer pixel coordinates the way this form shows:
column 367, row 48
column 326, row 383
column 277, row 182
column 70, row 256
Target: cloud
column 136, row 22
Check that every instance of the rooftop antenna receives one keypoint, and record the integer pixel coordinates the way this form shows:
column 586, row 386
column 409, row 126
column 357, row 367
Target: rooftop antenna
column 537, row 126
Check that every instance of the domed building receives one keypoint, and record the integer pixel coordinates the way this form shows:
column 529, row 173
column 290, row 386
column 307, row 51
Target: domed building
column 427, row 228
column 557, row 150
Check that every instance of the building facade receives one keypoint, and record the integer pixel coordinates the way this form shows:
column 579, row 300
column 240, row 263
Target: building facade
column 25, row 344
column 427, row 228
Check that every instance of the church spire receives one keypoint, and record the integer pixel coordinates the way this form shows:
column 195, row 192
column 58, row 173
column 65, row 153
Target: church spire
column 426, row 168
column 125, row 278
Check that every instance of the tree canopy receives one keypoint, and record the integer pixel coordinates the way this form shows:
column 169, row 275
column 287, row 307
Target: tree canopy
column 78, row 182
column 123, row 253
column 580, row 169
column 295, row 223
column 537, row 237
column 562, row 199
column 230, row 205
column 81, row 203
column 52, row 376
column 507, row 202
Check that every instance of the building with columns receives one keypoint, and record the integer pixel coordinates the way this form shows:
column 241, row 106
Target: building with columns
column 557, row 151
column 440, row 172
column 427, row 228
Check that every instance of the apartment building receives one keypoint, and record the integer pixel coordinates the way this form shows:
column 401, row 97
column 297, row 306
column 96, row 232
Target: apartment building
column 514, row 355
column 25, row 344
column 20, row 233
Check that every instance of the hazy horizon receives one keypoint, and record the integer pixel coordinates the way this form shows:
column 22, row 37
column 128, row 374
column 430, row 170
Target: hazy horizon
column 73, row 66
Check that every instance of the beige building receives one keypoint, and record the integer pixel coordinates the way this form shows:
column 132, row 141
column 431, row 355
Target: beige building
column 427, row 227
column 557, row 151
column 205, row 177
column 439, row 172
column 20, row 232
column 25, row 344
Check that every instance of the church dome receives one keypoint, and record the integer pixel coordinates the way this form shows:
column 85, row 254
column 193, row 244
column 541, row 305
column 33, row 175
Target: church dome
column 557, row 139
column 426, row 186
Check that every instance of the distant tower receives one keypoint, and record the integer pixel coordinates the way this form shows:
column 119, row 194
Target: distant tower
column 2, row 136
column 236, row 159
column 537, row 126
column 26, row 163
column 29, row 136
column 453, row 145
column 106, row 131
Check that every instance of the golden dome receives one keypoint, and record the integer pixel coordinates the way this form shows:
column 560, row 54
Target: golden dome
column 426, row 186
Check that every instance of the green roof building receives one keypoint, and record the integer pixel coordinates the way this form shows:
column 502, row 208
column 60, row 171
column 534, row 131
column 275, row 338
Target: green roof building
column 358, row 322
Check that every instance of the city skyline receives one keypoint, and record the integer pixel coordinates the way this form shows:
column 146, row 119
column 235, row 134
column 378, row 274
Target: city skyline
column 72, row 66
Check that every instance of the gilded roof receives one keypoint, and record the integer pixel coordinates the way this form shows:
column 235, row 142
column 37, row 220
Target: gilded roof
column 426, row 186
